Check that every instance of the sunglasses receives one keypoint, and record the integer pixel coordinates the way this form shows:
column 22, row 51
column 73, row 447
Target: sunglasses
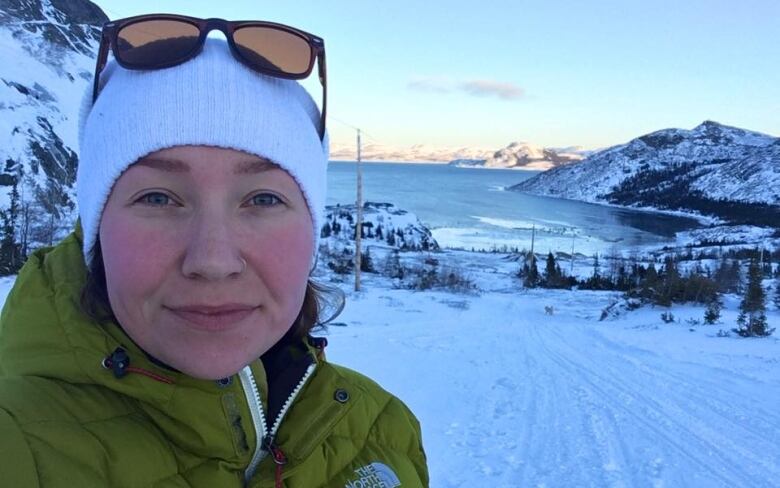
column 157, row 41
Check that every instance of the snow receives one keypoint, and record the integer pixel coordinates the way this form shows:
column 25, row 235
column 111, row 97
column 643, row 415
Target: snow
column 509, row 396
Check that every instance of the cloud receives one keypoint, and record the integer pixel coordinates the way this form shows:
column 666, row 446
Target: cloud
column 430, row 84
column 476, row 88
column 491, row 88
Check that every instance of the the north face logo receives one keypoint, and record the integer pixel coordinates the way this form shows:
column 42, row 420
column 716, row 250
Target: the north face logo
column 374, row 475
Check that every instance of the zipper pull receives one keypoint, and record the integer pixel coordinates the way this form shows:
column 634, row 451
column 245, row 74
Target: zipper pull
column 276, row 452
column 278, row 456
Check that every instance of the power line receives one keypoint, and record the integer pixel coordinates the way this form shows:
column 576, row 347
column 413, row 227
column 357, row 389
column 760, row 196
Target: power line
column 362, row 131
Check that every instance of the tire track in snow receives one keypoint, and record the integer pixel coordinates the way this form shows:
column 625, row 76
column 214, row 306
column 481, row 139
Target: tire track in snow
column 626, row 398
column 703, row 390
column 705, row 405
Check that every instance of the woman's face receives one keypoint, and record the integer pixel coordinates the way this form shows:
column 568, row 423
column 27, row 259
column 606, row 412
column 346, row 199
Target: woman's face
column 207, row 254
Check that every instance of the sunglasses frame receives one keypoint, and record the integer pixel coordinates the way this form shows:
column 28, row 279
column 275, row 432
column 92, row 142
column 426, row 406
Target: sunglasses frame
column 110, row 36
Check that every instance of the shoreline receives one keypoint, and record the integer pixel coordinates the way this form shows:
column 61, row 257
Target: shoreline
column 706, row 220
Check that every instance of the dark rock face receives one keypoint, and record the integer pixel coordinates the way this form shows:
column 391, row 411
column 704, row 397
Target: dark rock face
column 80, row 11
column 67, row 24
column 44, row 73
column 660, row 141
column 65, row 11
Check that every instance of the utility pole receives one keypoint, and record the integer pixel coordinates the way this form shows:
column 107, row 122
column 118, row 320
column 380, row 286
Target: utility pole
column 359, row 220
column 533, row 237
column 571, row 271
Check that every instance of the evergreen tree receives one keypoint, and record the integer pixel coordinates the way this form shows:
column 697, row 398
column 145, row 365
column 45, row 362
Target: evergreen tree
column 671, row 285
column 552, row 273
column 392, row 267
column 752, row 310
column 777, row 293
column 712, row 312
column 766, row 257
column 367, row 262
column 623, row 281
column 390, row 238
column 735, row 276
column 698, row 288
column 649, row 286
column 425, row 244
column 10, row 259
column 326, row 230
column 530, row 272
column 727, row 276
column 402, row 242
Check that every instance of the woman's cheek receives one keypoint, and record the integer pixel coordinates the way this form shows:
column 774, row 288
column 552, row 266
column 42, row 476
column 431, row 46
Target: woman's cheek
column 135, row 259
column 292, row 246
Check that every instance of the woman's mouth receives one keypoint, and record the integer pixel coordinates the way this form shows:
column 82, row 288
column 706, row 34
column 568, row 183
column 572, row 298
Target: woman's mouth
column 212, row 318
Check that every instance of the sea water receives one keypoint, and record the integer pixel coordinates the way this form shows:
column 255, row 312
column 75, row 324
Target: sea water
column 470, row 208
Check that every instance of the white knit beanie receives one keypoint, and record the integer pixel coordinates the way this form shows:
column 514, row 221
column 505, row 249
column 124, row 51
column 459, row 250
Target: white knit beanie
column 210, row 100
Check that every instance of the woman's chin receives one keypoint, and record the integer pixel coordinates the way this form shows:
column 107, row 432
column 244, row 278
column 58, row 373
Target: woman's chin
column 213, row 371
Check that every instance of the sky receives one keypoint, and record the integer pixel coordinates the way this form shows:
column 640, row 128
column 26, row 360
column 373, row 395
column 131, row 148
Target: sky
column 554, row 73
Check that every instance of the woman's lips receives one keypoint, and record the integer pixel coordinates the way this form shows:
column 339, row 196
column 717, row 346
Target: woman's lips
column 213, row 319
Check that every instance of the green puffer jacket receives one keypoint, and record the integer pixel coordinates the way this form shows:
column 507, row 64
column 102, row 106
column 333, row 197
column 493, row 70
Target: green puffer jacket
column 82, row 406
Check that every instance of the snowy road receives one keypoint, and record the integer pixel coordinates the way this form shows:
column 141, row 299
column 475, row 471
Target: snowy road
column 509, row 397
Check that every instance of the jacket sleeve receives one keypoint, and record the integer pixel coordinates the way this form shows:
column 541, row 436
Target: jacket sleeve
column 398, row 427
column 16, row 461
column 416, row 451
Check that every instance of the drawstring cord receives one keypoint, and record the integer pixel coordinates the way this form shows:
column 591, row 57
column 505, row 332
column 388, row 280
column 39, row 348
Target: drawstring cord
column 279, row 458
column 119, row 363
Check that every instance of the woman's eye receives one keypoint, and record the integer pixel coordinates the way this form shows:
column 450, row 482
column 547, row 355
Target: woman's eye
column 155, row 199
column 266, row 200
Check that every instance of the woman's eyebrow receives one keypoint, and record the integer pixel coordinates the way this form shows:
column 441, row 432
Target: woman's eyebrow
column 169, row 165
column 177, row 166
column 254, row 166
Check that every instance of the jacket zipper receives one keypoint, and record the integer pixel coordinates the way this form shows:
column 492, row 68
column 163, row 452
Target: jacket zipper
column 263, row 435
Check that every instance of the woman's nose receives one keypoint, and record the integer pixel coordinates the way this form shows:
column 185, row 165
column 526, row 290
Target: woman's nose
column 213, row 252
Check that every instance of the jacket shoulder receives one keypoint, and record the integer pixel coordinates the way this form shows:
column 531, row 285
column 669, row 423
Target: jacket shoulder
column 391, row 430
column 16, row 459
column 388, row 410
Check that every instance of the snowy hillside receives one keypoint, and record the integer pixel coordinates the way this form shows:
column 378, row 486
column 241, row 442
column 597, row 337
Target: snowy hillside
column 384, row 225
column 522, row 155
column 47, row 50
column 673, row 169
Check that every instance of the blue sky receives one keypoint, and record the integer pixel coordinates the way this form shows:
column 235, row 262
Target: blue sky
column 555, row 73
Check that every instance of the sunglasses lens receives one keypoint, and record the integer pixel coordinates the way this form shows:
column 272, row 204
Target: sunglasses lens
column 274, row 49
column 154, row 43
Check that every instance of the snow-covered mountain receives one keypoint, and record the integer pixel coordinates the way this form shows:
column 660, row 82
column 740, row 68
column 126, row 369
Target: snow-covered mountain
column 712, row 169
column 522, row 155
column 47, row 51
column 416, row 153
column 517, row 155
